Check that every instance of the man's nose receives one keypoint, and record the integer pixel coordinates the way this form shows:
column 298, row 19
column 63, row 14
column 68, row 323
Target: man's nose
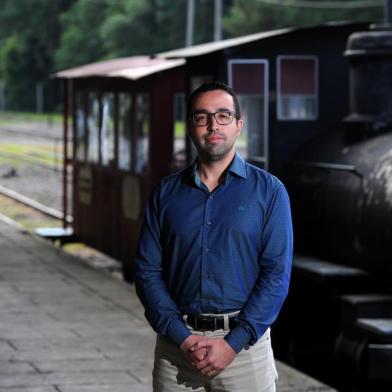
column 212, row 123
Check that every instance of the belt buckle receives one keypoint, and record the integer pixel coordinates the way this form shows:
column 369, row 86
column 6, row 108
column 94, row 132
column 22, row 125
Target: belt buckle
column 195, row 318
column 205, row 322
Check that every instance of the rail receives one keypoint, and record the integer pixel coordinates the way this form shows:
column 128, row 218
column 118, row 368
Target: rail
column 48, row 211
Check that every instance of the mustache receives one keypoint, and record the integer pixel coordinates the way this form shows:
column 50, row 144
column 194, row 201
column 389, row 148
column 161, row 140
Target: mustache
column 214, row 133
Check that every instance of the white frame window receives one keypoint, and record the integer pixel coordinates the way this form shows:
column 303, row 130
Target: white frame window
column 93, row 122
column 179, row 131
column 80, row 126
column 142, row 129
column 262, row 157
column 297, row 107
column 125, row 130
column 107, row 129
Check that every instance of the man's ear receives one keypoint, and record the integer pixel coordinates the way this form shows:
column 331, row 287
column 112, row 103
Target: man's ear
column 240, row 125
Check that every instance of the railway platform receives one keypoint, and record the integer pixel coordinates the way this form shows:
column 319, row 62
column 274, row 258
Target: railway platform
column 66, row 327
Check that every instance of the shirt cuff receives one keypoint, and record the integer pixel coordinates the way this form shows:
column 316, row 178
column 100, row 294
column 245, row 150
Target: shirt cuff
column 238, row 338
column 177, row 331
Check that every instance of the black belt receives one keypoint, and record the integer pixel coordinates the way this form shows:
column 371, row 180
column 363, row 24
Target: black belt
column 209, row 323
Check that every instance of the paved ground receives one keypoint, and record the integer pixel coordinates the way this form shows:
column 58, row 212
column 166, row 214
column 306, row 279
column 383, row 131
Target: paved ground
column 67, row 327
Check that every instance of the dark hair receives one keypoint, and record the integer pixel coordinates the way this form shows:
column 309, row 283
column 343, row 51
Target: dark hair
column 212, row 86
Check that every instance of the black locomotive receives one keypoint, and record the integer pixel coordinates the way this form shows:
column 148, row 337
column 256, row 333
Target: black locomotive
column 340, row 185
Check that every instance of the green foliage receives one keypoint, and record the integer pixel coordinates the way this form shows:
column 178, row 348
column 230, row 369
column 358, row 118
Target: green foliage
column 128, row 29
column 29, row 32
column 246, row 17
column 24, row 61
column 80, row 41
column 143, row 27
column 109, row 29
column 39, row 37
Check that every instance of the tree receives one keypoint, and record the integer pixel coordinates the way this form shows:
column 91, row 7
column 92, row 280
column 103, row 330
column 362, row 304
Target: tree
column 80, row 41
column 29, row 32
column 109, row 29
column 246, row 17
column 149, row 26
column 39, row 37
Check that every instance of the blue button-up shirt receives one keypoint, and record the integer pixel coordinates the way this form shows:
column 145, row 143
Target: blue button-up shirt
column 215, row 252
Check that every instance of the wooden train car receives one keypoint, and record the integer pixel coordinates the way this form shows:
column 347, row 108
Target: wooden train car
column 127, row 132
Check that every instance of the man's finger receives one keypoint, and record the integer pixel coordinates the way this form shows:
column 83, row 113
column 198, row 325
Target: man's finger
column 209, row 371
column 197, row 355
column 201, row 344
column 202, row 364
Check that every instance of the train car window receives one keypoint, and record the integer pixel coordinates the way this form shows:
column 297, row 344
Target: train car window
column 107, row 129
column 297, row 87
column 93, row 127
column 80, row 127
column 251, row 141
column 179, row 134
column 142, row 132
column 249, row 78
column 124, row 131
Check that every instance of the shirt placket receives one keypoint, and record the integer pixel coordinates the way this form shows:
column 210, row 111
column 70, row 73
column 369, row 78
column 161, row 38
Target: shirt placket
column 207, row 253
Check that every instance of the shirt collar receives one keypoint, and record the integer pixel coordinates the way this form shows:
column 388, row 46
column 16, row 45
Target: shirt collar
column 236, row 167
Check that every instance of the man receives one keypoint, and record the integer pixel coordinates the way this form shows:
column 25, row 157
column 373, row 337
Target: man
column 214, row 259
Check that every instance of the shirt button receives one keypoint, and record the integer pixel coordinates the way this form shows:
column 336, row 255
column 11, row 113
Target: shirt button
column 211, row 197
column 209, row 223
column 207, row 249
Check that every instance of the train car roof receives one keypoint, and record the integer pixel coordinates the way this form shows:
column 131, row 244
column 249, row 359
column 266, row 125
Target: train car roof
column 201, row 49
column 209, row 47
column 137, row 67
column 134, row 68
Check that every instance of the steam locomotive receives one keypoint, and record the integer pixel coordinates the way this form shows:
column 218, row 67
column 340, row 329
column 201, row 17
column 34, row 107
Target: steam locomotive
column 340, row 185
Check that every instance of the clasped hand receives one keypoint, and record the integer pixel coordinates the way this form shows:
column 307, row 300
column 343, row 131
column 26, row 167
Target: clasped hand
column 209, row 356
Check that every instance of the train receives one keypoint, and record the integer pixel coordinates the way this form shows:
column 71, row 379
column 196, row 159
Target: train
column 318, row 114
column 340, row 185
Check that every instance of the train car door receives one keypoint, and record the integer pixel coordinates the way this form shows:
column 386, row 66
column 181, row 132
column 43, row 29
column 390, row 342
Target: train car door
column 249, row 78
column 134, row 168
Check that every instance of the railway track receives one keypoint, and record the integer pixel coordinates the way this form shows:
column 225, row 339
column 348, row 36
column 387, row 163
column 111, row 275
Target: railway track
column 31, row 166
column 36, row 133
column 29, row 144
column 30, row 159
column 43, row 209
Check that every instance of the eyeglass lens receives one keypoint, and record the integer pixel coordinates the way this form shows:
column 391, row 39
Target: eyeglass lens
column 221, row 117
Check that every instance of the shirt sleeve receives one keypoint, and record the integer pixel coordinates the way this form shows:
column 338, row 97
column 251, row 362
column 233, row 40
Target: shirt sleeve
column 271, row 288
column 160, row 309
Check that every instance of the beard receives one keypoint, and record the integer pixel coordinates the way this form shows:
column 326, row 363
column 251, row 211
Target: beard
column 213, row 152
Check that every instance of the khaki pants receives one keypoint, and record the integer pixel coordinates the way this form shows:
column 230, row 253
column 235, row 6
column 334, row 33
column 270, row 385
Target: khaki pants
column 252, row 370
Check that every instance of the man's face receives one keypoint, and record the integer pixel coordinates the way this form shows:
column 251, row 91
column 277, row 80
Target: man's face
column 213, row 141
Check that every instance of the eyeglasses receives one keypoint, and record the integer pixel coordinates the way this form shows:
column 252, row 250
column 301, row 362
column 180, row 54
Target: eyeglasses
column 222, row 117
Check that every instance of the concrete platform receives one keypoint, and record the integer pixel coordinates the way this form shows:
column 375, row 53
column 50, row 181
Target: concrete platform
column 66, row 327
